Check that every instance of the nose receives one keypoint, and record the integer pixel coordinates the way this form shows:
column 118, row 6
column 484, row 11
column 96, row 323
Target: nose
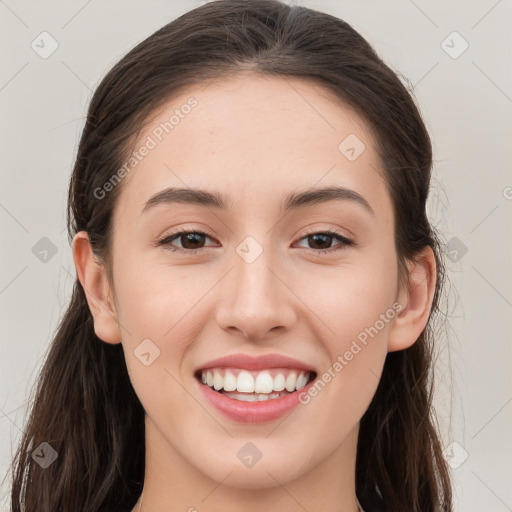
column 256, row 299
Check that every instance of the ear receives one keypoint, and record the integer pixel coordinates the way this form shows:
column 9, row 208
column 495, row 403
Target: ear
column 93, row 278
column 416, row 301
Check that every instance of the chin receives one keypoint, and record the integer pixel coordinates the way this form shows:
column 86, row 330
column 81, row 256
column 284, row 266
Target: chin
column 263, row 475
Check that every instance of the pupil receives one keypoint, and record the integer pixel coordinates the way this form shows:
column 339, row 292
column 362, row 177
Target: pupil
column 315, row 237
column 190, row 238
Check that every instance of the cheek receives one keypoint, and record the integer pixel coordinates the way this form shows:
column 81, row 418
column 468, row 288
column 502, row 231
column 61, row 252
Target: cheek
column 351, row 297
column 357, row 307
column 155, row 299
column 156, row 310
column 347, row 383
column 159, row 334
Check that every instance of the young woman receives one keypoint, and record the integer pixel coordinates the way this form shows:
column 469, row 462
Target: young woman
column 250, row 327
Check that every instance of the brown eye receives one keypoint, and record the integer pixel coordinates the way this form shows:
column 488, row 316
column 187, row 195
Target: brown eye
column 190, row 241
column 321, row 241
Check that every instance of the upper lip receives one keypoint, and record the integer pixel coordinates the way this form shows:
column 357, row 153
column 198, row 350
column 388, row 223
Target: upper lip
column 247, row 362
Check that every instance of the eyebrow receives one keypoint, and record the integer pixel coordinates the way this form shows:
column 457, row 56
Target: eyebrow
column 292, row 201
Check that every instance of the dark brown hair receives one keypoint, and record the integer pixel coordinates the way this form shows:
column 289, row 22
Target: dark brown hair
column 84, row 404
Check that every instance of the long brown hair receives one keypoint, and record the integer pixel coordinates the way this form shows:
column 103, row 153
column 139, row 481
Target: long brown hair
column 84, row 405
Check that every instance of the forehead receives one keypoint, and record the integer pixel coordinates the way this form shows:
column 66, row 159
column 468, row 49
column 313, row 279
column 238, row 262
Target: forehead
column 253, row 138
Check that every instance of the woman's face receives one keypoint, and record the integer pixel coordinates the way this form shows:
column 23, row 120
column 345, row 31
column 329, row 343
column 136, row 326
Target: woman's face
column 257, row 283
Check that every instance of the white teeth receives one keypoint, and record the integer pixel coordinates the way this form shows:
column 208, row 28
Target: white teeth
column 218, row 381
column 245, row 382
column 291, row 382
column 253, row 397
column 279, row 382
column 243, row 397
column 230, row 382
column 302, row 380
column 263, row 384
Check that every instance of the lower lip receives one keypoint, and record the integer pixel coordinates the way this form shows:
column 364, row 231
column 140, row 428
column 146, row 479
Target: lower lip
column 252, row 412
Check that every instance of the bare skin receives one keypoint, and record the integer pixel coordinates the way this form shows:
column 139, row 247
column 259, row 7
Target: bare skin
column 254, row 139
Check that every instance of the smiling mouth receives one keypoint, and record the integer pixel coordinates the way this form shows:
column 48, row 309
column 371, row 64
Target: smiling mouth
column 255, row 386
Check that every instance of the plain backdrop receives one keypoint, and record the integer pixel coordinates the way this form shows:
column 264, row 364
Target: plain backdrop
column 457, row 57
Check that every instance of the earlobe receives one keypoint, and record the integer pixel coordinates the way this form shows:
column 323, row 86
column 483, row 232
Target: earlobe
column 416, row 300
column 93, row 278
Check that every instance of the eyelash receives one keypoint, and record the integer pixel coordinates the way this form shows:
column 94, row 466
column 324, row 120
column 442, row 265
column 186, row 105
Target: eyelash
column 166, row 241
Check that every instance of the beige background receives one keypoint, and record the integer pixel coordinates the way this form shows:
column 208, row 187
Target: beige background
column 466, row 100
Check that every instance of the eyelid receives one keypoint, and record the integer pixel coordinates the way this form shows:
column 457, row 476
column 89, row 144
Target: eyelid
column 335, row 231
